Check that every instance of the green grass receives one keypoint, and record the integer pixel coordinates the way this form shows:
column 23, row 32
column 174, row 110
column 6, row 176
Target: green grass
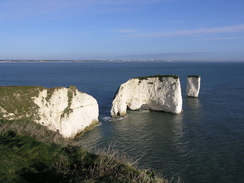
column 24, row 159
column 196, row 76
column 13, row 98
column 31, row 153
column 156, row 76
column 70, row 94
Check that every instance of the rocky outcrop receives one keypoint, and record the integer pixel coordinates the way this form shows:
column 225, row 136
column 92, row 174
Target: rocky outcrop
column 193, row 85
column 65, row 110
column 159, row 93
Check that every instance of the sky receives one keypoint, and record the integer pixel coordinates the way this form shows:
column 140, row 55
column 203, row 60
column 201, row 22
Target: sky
column 194, row 30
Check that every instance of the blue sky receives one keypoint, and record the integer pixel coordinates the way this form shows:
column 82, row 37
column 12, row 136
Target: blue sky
column 211, row 30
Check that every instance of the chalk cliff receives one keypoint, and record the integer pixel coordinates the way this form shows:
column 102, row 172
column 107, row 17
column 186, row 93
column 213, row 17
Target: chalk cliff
column 60, row 109
column 159, row 93
column 193, row 85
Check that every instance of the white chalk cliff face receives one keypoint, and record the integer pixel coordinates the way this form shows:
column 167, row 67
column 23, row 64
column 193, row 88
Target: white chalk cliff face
column 60, row 109
column 193, row 86
column 159, row 93
column 67, row 110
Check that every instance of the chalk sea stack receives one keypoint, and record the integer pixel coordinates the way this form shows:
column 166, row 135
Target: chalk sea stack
column 193, row 86
column 158, row 93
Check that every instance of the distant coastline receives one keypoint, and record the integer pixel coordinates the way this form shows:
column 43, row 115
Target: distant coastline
column 87, row 61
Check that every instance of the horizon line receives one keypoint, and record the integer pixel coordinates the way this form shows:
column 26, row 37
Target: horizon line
column 107, row 60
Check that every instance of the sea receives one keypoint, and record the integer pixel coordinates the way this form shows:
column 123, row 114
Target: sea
column 204, row 144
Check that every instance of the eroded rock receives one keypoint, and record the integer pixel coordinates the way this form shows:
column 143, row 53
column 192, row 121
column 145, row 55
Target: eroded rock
column 66, row 110
column 159, row 93
column 193, row 85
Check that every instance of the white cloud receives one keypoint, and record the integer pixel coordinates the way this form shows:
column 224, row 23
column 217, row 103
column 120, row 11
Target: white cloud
column 229, row 29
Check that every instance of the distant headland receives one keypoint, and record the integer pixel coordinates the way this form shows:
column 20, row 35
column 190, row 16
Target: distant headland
column 100, row 60
column 74, row 61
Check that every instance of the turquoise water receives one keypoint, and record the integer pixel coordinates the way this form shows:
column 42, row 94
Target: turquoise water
column 203, row 144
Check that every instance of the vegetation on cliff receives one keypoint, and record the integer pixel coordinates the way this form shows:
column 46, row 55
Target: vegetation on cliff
column 15, row 97
column 157, row 76
column 17, row 100
column 29, row 152
column 193, row 76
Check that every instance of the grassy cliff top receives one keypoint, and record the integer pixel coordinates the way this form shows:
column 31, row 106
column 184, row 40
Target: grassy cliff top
column 26, row 90
column 18, row 99
column 156, row 76
column 193, row 76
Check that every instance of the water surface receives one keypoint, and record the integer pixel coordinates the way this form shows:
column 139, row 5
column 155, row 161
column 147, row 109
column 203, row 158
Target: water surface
column 203, row 144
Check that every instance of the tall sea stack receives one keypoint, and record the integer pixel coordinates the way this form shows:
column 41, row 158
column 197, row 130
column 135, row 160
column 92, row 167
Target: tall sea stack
column 193, row 85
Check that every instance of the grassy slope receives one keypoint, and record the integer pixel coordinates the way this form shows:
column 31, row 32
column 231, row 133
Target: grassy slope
column 47, row 157
column 25, row 159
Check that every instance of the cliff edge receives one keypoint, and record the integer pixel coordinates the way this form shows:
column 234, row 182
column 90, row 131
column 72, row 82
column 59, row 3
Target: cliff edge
column 159, row 93
column 65, row 110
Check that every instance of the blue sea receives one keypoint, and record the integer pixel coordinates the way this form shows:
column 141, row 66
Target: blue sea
column 204, row 144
